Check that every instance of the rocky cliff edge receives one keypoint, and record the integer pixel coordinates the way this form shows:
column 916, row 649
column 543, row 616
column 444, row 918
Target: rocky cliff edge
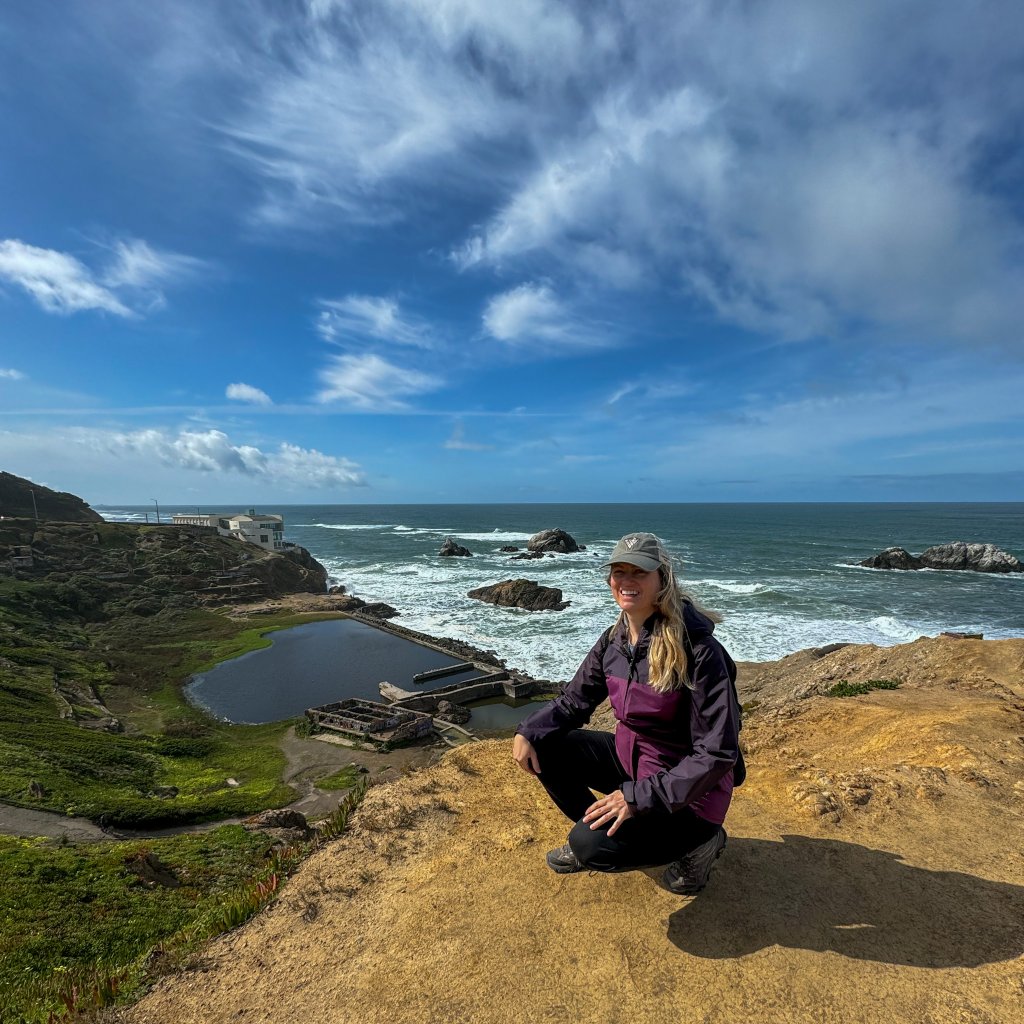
column 874, row 872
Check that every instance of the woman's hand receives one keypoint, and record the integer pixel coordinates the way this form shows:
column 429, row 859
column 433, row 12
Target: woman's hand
column 524, row 755
column 612, row 806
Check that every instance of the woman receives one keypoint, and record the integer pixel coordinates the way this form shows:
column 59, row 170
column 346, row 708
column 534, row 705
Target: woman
column 669, row 769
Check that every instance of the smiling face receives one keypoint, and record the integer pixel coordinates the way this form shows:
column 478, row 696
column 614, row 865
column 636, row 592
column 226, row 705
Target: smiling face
column 635, row 590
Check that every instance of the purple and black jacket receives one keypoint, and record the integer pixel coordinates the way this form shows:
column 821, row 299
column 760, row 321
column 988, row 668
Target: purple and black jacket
column 680, row 749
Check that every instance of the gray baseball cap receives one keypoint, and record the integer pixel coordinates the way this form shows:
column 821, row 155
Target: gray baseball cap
column 643, row 550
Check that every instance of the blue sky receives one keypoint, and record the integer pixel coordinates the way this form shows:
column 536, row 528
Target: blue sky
column 456, row 250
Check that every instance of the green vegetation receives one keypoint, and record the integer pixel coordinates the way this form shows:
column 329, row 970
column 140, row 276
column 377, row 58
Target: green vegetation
column 95, row 647
column 51, row 662
column 346, row 778
column 87, row 925
column 846, row 689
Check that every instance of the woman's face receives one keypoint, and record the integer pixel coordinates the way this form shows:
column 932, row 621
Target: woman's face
column 635, row 590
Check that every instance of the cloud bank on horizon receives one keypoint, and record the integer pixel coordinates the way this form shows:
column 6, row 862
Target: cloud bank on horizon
column 454, row 250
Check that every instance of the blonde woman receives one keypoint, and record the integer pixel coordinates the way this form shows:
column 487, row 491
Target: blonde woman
column 668, row 771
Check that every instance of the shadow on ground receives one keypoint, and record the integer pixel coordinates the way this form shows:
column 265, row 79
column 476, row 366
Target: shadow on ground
column 821, row 894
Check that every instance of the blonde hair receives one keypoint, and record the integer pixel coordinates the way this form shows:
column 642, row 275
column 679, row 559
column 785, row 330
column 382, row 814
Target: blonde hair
column 667, row 669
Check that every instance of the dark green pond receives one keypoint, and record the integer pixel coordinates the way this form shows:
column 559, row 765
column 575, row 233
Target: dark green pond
column 321, row 662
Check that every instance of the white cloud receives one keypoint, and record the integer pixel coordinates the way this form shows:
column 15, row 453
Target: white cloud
column 248, row 393
column 138, row 265
column 11, row 374
column 61, row 283
column 58, row 282
column 368, row 316
column 212, row 451
column 527, row 313
column 371, row 383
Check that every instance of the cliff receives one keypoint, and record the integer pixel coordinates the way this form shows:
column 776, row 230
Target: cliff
column 16, row 495
column 873, row 873
column 104, row 569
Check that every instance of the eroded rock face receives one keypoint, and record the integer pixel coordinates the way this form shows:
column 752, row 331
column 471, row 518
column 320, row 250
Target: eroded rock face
column 451, row 549
column 892, row 558
column 553, row 540
column 956, row 555
column 973, row 557
column 526, row 594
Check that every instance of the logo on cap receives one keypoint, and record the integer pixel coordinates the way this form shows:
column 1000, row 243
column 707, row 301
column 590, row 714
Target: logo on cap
column 631, row 542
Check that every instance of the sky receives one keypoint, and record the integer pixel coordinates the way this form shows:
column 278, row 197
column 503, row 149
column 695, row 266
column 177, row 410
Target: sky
column 336, row 251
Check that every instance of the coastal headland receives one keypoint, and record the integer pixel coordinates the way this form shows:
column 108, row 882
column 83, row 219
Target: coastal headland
column 873, row 873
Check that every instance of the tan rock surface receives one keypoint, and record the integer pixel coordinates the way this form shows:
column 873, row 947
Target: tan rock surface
column 874, row 872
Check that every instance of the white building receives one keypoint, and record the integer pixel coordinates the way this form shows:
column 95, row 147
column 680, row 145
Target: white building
column 267, row 531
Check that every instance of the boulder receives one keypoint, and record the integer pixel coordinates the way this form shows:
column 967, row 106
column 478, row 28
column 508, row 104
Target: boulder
column 971, row 557
column 450, row 549
column 892, row 558
column 526, row 594
column 552, row 540
column 379, row 610
column 280, row 822
column 526, row 555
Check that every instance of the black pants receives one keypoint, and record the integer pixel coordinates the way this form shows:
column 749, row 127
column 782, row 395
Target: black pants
column 573, row 764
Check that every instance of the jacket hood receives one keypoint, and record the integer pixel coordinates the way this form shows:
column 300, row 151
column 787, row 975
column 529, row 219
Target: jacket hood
column 697, row 624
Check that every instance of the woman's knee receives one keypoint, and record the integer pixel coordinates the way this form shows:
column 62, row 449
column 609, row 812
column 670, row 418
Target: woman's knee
column 591, row 846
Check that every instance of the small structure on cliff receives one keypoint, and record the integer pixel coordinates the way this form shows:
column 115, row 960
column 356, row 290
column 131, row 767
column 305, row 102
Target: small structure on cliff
column 266, row 530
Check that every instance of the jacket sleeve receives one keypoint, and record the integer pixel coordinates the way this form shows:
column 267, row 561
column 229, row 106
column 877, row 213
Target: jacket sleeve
column 714, row 733
column 572, row 708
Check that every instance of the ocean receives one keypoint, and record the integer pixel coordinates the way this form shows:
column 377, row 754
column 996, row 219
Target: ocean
column 783, row 575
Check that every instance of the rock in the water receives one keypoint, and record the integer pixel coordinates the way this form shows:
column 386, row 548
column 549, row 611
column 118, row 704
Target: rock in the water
column 450, row 548
column 892, row 558
column 379, row 610
column 972, row 557
column 528, row 555
column 552, row 540
column 957, row 555
column 526, row 594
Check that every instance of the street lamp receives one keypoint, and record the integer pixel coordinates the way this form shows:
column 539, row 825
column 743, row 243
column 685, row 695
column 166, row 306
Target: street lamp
column 157, row 503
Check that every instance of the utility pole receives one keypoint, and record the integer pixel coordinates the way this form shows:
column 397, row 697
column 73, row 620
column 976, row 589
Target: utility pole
column 157, row 503
column 35, row 510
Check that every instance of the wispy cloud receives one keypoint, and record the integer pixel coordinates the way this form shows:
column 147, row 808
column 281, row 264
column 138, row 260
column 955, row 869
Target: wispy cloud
column 248, row 393
column 458, row 442
column 132, row 282
column 58, row 282
column 357, row 317
column 10, row 374
column 370, row 383
column 532, row 315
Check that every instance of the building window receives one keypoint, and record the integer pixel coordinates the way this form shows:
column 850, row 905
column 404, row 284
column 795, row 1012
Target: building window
column 263, row 538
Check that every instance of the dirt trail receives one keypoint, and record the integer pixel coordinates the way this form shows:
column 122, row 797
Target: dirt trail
column 874, row 872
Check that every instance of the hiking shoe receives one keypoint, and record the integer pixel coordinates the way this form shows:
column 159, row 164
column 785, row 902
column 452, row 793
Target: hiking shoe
column 688, row 875
column 563, row 860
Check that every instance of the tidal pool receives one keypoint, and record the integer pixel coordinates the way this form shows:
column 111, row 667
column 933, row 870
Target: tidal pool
column 310, row 665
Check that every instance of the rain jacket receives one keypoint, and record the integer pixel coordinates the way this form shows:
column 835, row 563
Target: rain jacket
column 680, row 749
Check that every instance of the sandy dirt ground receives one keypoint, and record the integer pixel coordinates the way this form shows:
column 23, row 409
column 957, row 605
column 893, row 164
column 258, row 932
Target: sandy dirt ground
column 874, row 872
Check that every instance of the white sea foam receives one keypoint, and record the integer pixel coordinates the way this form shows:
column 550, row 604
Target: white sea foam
column 731, row 586
column 349, row 526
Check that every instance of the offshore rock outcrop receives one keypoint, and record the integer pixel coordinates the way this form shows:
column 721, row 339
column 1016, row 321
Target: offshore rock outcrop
column 451, row 549
column 553, row 540
column 958, row 555
column 526, row 594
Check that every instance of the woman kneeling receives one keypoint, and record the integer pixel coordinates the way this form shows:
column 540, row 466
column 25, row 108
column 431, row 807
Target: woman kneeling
column 669, row 768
